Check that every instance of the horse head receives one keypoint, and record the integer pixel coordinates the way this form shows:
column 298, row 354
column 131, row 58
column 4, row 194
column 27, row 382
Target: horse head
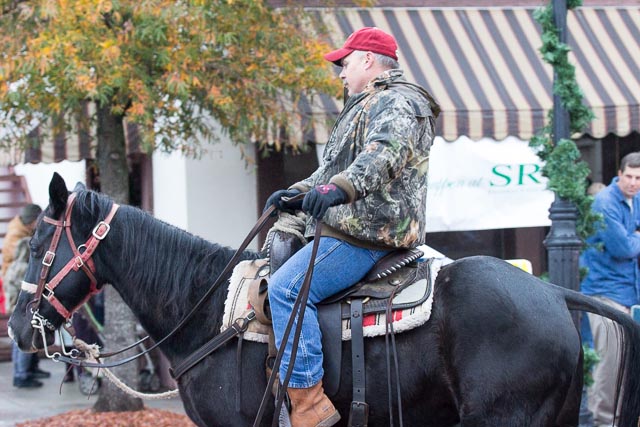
column 61, row 274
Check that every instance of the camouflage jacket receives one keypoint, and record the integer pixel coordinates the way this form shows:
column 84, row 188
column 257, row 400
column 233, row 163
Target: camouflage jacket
column 378, row 153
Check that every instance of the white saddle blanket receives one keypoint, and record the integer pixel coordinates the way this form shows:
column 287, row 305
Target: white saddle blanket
column 237, row 306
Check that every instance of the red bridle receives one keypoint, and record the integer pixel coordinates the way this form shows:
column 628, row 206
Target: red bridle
column 80, row 260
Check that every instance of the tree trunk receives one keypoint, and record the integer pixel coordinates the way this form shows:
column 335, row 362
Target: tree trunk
column 120, row 323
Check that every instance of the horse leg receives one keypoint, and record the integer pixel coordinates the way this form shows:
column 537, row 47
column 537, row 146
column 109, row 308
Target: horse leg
column 570, row 412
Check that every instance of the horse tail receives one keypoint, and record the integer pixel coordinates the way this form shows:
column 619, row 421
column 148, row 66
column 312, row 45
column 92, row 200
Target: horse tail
column 629, row 374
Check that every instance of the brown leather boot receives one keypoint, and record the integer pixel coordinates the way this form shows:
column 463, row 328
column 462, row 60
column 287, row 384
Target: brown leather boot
column 310, row 407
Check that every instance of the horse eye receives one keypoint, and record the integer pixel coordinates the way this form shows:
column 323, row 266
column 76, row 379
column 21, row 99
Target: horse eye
column 35, row 248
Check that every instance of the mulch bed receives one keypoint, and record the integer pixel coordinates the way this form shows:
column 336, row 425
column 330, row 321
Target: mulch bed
column 89, row 418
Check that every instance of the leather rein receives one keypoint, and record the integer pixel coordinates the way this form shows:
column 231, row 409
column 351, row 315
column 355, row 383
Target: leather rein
column 83, row 260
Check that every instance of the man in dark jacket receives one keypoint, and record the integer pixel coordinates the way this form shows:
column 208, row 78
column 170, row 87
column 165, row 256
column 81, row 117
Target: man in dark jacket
column 613, row 277
column 370, row 192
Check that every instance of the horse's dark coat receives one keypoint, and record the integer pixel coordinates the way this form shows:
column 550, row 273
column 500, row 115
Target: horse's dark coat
column 500, row 349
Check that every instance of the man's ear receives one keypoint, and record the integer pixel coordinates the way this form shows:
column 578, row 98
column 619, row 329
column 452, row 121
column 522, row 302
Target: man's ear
column 58, row 195
column 369, row 60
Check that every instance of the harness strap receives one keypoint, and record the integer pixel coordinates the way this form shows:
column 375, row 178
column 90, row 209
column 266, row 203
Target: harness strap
column 239, row 372
column 297, row 312
column 238, row 327
column 79, row 261
column 83, row 260
column 300, row 309
column 390, row 335
column 359, row 414
column 49, row 256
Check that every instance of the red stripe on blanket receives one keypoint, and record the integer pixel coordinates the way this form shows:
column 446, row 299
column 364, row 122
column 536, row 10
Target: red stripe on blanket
column 374, row 319
column 369, row 320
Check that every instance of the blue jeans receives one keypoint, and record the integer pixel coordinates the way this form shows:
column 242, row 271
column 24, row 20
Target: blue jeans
column 22, row 362
column 338, row 265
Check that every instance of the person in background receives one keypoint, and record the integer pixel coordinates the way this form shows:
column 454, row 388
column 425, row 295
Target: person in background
column 585, row 330
column 613, row 277
column 20, row 226
column 370, row 192
column 16, row 229
column 595, row 188
column 15, row 258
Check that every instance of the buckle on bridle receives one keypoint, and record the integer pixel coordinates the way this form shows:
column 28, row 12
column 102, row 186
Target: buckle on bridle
column 47, row 293
column 48, row 258
column 101, row 230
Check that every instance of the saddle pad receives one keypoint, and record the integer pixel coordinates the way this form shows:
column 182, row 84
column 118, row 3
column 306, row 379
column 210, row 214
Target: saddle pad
column 237, row 305
column 375, row 324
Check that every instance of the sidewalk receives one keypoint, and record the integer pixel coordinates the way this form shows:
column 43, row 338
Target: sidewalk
column 17, row 405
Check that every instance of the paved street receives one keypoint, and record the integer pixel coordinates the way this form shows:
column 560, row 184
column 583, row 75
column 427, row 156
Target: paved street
column 17, row 405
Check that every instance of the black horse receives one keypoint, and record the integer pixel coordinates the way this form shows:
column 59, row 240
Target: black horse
column 500, row 349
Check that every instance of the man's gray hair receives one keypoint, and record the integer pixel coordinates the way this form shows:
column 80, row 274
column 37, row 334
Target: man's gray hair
column 631, row 160
column 386, row 61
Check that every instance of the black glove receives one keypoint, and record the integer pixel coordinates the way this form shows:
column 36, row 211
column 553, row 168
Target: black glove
column 282, row 205
column 321, row 198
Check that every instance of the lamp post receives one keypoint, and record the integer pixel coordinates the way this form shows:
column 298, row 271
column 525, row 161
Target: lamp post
column 563, row 246
column 563, row 243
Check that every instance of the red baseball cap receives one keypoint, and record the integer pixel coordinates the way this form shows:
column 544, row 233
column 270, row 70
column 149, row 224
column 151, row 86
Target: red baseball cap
column 367, row 39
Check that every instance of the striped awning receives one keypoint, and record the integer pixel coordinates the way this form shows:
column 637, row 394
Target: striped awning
column 48, row 144
column 73, row 146
column 481, row 64
column 484, row 68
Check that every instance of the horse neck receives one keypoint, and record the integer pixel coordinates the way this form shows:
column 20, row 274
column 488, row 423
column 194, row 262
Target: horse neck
column 160, row 273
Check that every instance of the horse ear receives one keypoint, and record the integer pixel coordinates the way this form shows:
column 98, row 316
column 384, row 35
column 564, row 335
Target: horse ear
column 58, row 195
column 79, row 187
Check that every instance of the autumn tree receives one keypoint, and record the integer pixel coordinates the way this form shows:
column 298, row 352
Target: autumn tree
column 177, row 69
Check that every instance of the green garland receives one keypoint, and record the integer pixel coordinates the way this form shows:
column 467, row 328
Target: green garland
column 567, row 174
column 590, row 360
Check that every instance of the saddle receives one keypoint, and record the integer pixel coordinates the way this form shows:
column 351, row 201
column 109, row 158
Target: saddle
column 387, row 287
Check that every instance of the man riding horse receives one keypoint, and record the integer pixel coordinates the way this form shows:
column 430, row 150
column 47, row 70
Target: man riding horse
column 370, row 192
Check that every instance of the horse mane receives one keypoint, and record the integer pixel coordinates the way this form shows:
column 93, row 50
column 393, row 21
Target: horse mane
column 165, row 258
